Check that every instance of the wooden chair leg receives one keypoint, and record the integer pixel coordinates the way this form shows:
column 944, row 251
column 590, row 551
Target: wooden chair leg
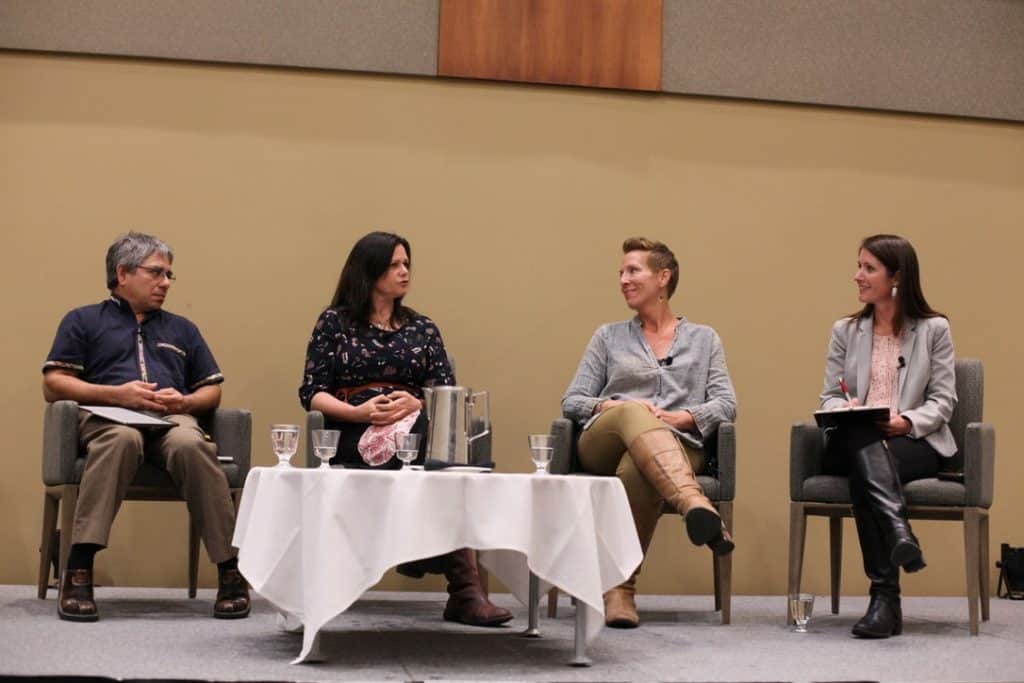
column 51, row 505
column 797, row 535
column 835, row 546
column 723, row 569
column 716, row 575
column 972, row 553
column 552, row 603
column 193, row 556
column 984, row 568
column 68, row 503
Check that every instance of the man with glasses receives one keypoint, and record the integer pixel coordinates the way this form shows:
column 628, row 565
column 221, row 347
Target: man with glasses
column 128, row 352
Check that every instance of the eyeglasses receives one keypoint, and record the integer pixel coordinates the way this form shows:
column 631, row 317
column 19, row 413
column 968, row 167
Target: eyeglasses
column 159, row 273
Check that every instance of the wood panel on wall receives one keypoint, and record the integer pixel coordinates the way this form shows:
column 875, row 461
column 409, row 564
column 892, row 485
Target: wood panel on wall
column 600, row 43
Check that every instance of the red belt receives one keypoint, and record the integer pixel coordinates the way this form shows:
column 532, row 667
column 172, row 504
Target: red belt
column 345, row 393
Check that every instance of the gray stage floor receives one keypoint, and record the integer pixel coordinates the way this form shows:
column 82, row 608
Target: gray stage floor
column 149, row 633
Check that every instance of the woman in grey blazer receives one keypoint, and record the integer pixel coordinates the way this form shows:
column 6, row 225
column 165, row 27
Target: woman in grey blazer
column 647, row 392
column 895, row 352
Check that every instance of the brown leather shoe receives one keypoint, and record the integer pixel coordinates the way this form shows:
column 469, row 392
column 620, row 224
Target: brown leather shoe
column 620, row 607
column 74, row 600
column 232, row 596
column 467, row 602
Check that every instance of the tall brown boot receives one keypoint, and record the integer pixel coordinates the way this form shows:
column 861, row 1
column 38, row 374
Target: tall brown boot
column 620, row 602
column 467, row 602
column 663, row 462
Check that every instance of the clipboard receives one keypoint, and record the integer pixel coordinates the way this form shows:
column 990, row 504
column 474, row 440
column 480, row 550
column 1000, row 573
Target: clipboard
column 124, row 416
column 842, row 417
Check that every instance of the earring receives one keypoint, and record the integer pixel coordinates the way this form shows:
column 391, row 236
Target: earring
column 894, row 290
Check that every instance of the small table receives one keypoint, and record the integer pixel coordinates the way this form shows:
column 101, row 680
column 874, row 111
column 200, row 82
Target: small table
column 311, row 541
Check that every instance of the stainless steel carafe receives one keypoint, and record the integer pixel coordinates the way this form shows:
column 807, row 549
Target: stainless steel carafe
column 450, row 422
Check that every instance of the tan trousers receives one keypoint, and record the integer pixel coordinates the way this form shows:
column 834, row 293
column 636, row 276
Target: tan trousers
column 602, row 450
column 113, row 455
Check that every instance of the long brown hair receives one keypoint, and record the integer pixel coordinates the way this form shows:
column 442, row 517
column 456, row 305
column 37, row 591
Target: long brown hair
column 898, row 256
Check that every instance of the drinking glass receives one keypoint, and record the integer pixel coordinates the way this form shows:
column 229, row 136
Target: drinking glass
column 285, row 439
column 407, row 447
column 541, row 448
column 800, row 607
column 325, row 445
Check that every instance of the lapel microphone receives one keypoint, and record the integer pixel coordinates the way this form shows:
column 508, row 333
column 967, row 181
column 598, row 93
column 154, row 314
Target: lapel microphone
column 667, row 360
column 900, row 363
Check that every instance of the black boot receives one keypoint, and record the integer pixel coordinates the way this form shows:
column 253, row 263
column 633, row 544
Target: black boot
column 876, row 473
column 417, row 569
column 884, row 616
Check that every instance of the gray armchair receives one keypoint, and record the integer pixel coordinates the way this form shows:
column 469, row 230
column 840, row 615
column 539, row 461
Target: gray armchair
column 64, row 461
column 720, row 489
column 814, row 493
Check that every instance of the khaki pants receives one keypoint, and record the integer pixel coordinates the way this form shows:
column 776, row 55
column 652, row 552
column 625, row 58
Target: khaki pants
column 602, row 450
column 113, row 455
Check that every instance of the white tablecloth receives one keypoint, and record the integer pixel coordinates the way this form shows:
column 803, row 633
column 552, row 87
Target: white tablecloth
column 311, row 541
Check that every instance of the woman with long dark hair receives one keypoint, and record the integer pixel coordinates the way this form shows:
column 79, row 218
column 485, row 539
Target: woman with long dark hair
column 367, row 362
column 897, row 352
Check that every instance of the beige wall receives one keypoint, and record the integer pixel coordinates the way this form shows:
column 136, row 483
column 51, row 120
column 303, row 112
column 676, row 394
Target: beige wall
column 515, row 199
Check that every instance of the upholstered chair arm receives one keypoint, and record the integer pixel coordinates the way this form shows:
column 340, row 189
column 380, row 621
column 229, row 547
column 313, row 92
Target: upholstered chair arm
column 561, row 456
column 314, row 420
column 726, row 453
column 231, row 429
column 60, row 442
column 979, row 463
column 806, row 448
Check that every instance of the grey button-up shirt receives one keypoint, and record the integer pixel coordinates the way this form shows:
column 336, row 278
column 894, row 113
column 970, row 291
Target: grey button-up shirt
column 619, row 364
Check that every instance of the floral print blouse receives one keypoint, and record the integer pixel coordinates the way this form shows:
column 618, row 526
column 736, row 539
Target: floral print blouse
column 340, row 357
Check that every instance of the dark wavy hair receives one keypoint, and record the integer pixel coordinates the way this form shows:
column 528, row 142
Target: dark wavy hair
column 898, row 256
column 369, row 259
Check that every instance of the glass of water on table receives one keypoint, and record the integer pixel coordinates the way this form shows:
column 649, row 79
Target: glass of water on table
column 541, row 448
column 407, row 447
column 285, row 440
column 325, row 445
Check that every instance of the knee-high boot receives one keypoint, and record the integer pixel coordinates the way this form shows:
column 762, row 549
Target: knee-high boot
column 620, row 602
column 467, row 602
column 662, row 461
column 884, row 616
column 875, row 470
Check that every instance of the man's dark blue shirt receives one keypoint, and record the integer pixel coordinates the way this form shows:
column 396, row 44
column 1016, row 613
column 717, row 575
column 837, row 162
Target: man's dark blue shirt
column 104, row 344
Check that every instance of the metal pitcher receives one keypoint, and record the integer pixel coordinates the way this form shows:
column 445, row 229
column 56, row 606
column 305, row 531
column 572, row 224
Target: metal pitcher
column 450, row 421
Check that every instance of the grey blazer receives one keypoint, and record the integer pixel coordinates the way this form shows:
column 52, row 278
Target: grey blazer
column 927, row 383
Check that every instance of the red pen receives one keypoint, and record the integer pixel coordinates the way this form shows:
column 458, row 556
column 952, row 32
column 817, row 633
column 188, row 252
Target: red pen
column 845, row 390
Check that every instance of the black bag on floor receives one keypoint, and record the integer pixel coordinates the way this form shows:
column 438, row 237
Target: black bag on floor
column 1011, row 572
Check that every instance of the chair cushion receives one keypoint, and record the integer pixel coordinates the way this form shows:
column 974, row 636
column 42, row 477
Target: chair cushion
column 153, row 476
column 826, row 488
column 935, row 492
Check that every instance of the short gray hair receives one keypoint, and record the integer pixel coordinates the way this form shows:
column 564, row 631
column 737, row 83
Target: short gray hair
column 130, row 251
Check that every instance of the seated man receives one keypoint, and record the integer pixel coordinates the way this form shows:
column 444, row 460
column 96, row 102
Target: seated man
column 126, row 351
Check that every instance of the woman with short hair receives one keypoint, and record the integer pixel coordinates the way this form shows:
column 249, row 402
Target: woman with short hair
column 648, row 392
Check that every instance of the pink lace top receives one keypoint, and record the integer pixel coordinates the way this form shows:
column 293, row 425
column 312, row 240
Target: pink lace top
column 884, row 387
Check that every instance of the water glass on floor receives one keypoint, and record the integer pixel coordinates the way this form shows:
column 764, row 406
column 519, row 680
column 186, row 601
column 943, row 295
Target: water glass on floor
column 800, row 607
